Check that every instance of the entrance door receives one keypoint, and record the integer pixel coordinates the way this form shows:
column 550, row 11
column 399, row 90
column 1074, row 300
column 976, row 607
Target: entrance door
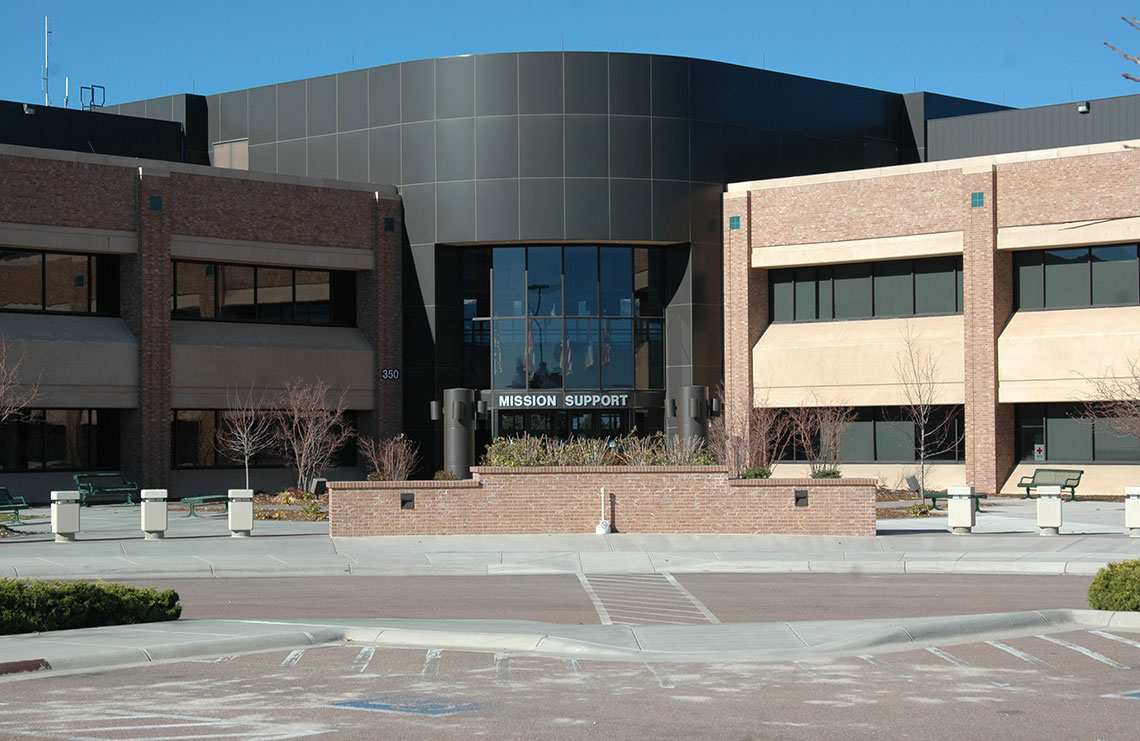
column 562, row 424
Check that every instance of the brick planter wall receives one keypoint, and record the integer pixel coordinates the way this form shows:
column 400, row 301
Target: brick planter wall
column 666, row 499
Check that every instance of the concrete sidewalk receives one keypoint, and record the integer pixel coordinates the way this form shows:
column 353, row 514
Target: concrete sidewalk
column 1005, row 543
column 116, row 646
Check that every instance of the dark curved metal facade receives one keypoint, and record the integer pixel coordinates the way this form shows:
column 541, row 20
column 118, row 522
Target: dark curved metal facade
column 561, row 147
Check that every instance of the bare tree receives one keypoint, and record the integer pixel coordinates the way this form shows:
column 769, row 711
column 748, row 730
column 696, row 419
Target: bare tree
column 1135, row 24
column 819, row 430
column 310, row 428
column 389, row 458
column 14, row 396
column 725, row 438
column 247, row 428
column 935, row 434
column 1117, row 401
column 769, row 434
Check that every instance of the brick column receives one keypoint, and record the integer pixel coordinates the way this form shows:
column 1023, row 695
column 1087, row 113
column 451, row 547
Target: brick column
column 380, row 318
column 988, row 302
column 146, row 310
column 745, row 313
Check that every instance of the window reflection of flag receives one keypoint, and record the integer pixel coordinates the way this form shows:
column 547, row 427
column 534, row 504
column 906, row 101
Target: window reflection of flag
column 567, row 356
column 530, row 346
column 607, row 350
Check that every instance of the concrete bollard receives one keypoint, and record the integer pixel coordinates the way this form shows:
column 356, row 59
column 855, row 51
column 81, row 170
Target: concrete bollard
column 1132, row 510
column 960, row 509
column 65, row 515
column 241, row 512
column 153, row 513
column 1049, row 509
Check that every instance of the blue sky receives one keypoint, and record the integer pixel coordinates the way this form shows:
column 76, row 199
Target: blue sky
column 1018, row 52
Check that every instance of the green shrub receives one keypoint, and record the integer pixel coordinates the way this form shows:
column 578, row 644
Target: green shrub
column 756, row 472
column 630, row 450
column 442, row 475
column 28, row 605
column 828, row 472
column 1116, row 587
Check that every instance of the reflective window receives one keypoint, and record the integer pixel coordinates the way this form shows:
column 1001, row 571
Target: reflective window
column 476, row 282
column 805, row 308
column 617, row 353
column 544, row 281
column 889, row 434
column 235, row 294
column 649, row 354
column 275, row 294
column 583, row 361
column 852, row 286
column 894, row 288
column 616, row 284
column 649, row 281
column 508, row 271
column 32, row 280
column 66, row 283
column 313, row 295
column 244, row 293
column 508, row 354
column 1114, row 275
column 1067, row 282
column 935, row 286
column 60, row 440
column 581, row 266
column 545, row 351
column 194, row 437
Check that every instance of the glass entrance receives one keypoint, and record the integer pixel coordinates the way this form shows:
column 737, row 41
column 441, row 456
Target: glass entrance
column 564, row 424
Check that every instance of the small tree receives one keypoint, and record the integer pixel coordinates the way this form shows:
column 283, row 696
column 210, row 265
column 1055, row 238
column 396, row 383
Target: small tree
column 14, row 396
column 819, row 430
column 916, row 369
column 769, row 434
column 1117, row 401
column 389, row 458
column 247, row 428
column 310, row 429
column 1135, row 24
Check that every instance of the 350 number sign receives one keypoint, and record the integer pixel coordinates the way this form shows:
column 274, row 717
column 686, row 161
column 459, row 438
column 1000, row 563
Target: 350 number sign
column 390, row 374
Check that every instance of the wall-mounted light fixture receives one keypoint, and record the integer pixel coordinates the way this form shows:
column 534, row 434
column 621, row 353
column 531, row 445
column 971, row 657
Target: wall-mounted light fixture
column 1083, row 107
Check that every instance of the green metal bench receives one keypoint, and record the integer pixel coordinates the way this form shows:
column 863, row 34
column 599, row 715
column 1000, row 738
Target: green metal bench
column 13, row 504
column 105, row 487
column 1066, row 478
column 192, row 503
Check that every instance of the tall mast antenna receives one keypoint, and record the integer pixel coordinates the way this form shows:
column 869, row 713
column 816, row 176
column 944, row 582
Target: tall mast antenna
column 47, row 32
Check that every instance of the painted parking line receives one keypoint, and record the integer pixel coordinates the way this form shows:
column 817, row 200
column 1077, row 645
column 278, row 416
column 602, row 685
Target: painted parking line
column 1114, row 637
column 1026, row 657
column 431, row 663
column 293, row 657
column 947, row 657
column 363, row 659
column 632, row 599
column 1084, row 651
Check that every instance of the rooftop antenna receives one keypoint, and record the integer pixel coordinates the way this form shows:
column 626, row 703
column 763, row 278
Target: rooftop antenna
column 47, row 32
column 66, row 91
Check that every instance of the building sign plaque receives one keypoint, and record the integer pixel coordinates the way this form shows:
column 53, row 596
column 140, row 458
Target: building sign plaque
column 562, row 400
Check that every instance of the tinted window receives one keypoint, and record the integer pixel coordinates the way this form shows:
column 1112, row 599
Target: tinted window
column 617, row 353
column 616, row 285
column 581, row 265
column 1068, row 438
column 1030, row 285
column 194, row 291
column 545, row 362
column 649, row 280
column 935, row 286
column 275, row 294
column 476, row 353
column 66, row 281
column 782, row 287
column 583, row 356
column 858, row 442
column 235, row 293
column 805, row 294
column 852, row 288
column 544, row 281
column 20, row 280
column 508, row 274
column 476, row 282
column 508, row 354
column 313, row 294
column 894, row 289
column 1114, row 276
column 60, row 439
column 1066, row 278
column 649, row 354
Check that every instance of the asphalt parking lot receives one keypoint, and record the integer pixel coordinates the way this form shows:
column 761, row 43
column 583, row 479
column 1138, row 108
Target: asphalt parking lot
column 1080, row 684
column 564, row 598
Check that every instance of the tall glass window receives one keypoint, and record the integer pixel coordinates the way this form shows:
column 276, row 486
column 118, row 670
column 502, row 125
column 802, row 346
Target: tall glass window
column 581, row 266
column 544, row 361
column 544, row 281
column 508, row 354
column 616, row 286
column 508, row 276
column 617, row 353
column 583, row 364
column 58, row 282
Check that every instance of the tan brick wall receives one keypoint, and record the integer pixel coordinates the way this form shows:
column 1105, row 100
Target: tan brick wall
column 568, row 500
column 858, row 209
column 1099, row 186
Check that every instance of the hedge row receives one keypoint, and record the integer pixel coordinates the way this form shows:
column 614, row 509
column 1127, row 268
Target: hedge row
column 630, row 450
column 1116, row 587
column 28, row 606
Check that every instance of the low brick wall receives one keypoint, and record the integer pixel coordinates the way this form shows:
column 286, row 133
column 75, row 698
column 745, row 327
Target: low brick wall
column 639, row 499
